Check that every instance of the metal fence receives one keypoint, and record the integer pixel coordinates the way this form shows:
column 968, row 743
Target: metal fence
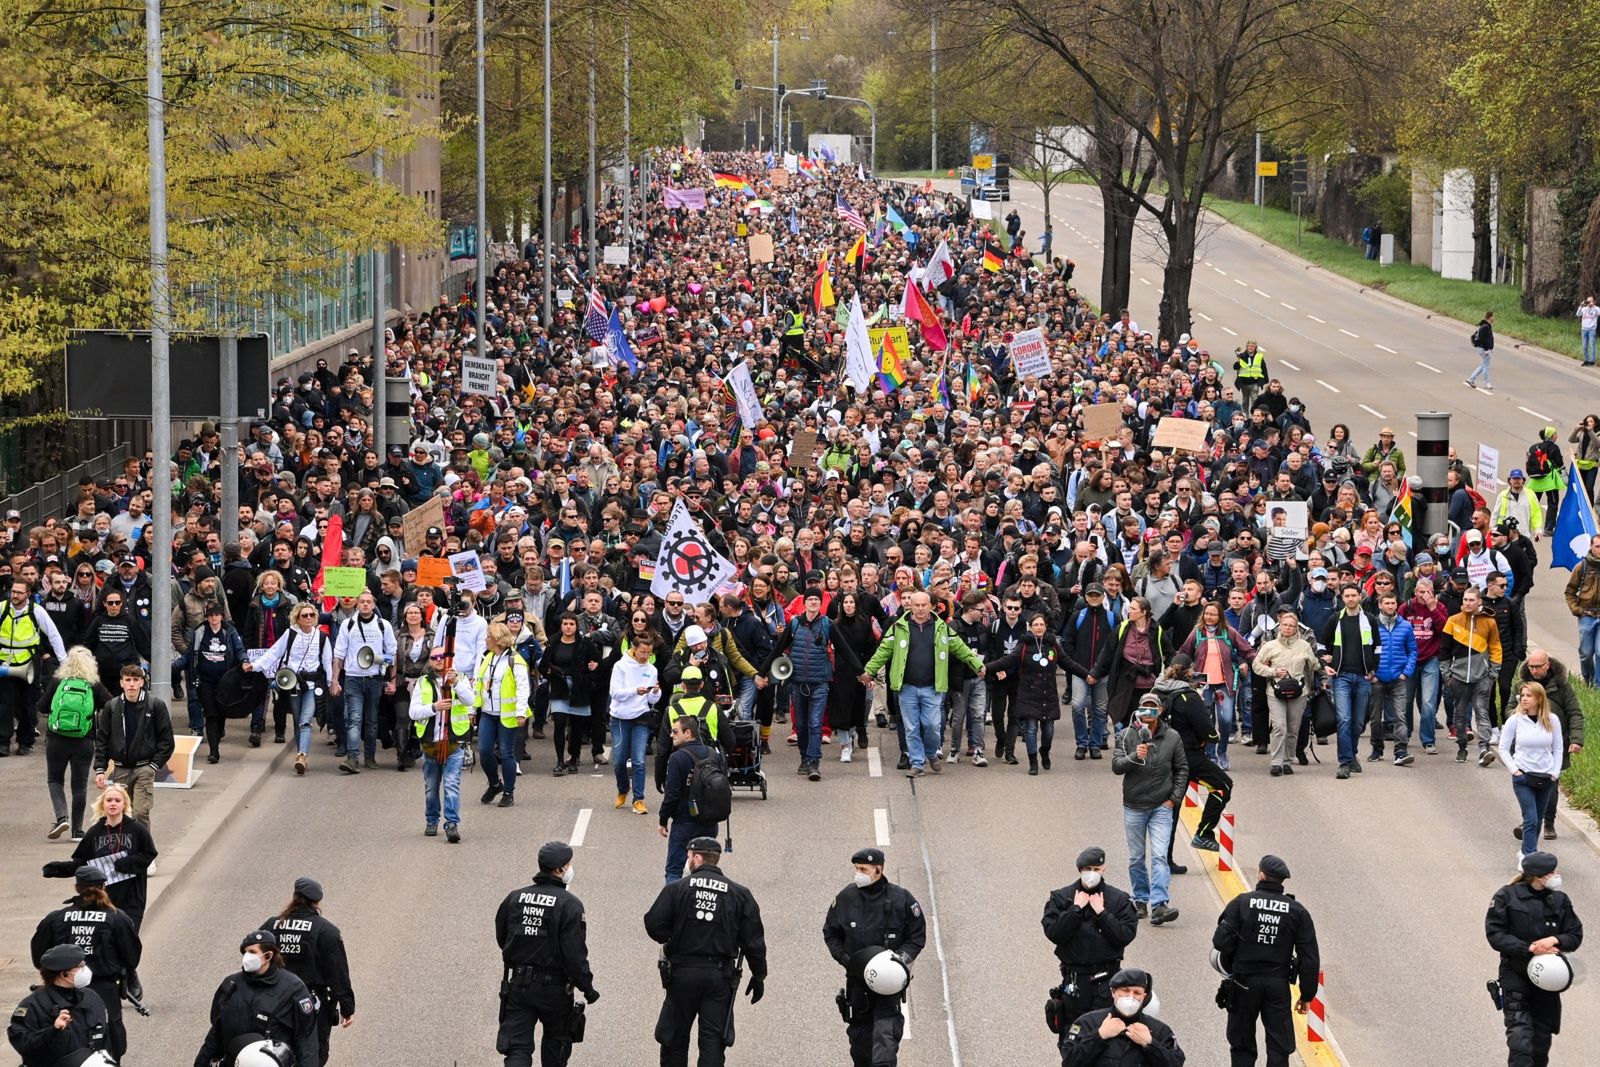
column 58, row 495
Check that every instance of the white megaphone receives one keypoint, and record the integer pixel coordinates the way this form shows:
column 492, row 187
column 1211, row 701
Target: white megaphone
column 782, row 669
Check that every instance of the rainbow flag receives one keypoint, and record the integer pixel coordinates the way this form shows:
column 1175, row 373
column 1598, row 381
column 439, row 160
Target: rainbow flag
column 942, row 394
column 1402, row 511
column 891, row 366
column 992, row 260
column 730, row 181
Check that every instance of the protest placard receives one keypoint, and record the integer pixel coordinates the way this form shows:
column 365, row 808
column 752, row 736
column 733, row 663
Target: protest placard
column 1188, row 434
column 414, row 524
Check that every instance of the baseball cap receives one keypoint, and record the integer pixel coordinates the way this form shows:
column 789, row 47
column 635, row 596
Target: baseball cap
column 1474, row 537
column 1516, row 472
column 1319, row 572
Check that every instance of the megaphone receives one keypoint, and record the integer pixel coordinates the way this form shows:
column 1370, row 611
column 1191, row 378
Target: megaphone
column 366, row 657
column 23, row 674
column 286, row 680
column 781, row 670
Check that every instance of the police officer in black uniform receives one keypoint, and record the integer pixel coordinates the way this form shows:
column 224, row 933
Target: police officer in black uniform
column 263, row 1000
column 543, row 942
column 107, row 937
column 1530, row 917
column 1125, row 1034
column 61, row 1017
column 1091, row 923
column 313, row 950
column 873, row 913
column 705, row 921
column 1266, row 939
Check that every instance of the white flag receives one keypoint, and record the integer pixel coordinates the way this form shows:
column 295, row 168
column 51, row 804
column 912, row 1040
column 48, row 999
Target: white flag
column 744, row 395
column 687, row 563
column 859, row 366
column 941, row 268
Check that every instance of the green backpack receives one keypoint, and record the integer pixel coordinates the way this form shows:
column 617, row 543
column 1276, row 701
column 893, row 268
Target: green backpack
column 72, row 708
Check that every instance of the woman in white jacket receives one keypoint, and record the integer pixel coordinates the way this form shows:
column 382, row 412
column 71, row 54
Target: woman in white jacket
column 1531, row 746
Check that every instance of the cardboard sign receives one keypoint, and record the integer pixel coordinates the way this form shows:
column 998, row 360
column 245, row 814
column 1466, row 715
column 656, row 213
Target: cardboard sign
column 344, row 581
column 414, row 524
column 807, row 448
column 778, row 177
column 178, row 772
column 1102, row 421
column 480, row 376
column 1029, row 354
column 563, row 296
column 1188, row 434
column 615, row 256
column 433, row 570
column 761, row 250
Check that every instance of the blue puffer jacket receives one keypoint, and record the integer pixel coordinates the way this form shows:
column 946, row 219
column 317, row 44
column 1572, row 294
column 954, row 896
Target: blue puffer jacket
column 1397, row 649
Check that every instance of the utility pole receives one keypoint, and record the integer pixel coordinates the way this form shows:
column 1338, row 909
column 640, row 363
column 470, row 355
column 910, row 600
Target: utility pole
column 229, row 429
column 627, row 128
column 1258, row 168
column 160, row 682
column 483, row 200
column 380, row 363
column 933, row 91
column 777, row 121
column 549, row 231
column 591, row 203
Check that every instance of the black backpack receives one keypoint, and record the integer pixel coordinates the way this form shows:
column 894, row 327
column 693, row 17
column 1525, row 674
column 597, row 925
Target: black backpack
column 710, row 792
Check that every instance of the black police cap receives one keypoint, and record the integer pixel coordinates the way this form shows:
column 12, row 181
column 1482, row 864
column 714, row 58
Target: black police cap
column 1093, row 856
column 1133, row 976
column 554, row 855
column 264, row 938
column 61, row 958
column 708, row 845
column 1274, row 868
column 309, row 888
column 869, row 855
column 88, row 875
column 1538, row 864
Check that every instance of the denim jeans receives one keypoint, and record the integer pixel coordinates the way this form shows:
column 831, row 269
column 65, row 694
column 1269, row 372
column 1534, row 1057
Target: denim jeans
column 361, row 698
column 922, row 710
column 967, row 707
column 1391, row 719
column 433, row 777
column 1534, row 801
column 1588, row 345
column 1088, row 712
column 678, row 837
column 1350, row 695
column 1588, row 636
column 305, row 713
column 1484, row 356
column 1425, row 694
column 497, row 752
column 1037, row 734
column 1222, row 706
column 809, row 702
column 1149, row 833
column 628, row 739
column 745, row 702
column 1471, row 710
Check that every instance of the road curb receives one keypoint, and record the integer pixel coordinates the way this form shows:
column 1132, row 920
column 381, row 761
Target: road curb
column 1581, row 821
column 219, row 813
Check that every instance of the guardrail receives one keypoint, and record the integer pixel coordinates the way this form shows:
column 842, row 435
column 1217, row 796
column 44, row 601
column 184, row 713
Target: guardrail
column 57, row 496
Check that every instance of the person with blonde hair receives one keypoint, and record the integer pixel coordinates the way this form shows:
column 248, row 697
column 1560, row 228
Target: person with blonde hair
column 69, row 703
column 1531, row 746
column 118, row 844
column 501, row 701
column 306, row 651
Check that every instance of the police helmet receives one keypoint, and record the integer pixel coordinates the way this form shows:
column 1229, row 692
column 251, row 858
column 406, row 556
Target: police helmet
column 885, row 975
column 1552, row 973
column 264, row 1053
column 1216, row 962
column 85, row 1057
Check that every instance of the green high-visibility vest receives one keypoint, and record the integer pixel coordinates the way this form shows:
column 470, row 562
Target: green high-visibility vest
column 707, row 709
column 1255, row 367
column 508, row 685
column 797, row 324
column 460, row 714
column 19, row 637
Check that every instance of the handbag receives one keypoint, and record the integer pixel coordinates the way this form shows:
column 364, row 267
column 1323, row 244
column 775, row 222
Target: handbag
column 1324, row 716
column 1537, row 780
column 1289, row 687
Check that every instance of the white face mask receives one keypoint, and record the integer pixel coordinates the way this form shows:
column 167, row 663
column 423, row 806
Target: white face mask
column 1089, row 879
column 566, row 875
column 1319, row 584
column 863, row 880
column 251, row 963
column 82, row 977
column 1129, row 1006
column 1552, row 882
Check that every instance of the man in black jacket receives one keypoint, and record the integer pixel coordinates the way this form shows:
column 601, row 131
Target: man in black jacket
column 1088, row 628
column 544, row 946
column 313, row 950
column 1123, row 1033
column 1091, row 923
column 873, row 914
column 1266, row 938
column 132, row 738
column 688, row 750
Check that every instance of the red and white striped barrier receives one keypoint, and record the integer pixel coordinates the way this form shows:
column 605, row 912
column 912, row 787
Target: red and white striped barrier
column 1225, row 830
column 1317, row 1015
column 1191, row 794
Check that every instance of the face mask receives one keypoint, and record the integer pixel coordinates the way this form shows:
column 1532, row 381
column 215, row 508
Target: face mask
column 1318, row 584
column 250, row 963
column 1089, row 879
column 1128, row 1006
column 1294, row 407
column 82, row 977
column 863, row 880
column 566, row 875
column 1553, row 882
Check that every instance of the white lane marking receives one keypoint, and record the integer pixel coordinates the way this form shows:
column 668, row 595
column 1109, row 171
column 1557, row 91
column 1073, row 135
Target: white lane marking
column 1241, row 281
column 905, row 1023
column 1229, row 332
column 1291, row 307
column 938, row 948
column 1413, row 433
column 1347, row 333
column 1329, row 388
column 1426, row 366
column 1373, row 413
column 880, row 823
column 1203, row 315
column 1258, row 292
column 874, row 763
column 1387, row 349
column 1286, row 363
column 581, row 829
column 1220, row 271
column 1313, row 318
column 1532, row 412
column 1144, row 281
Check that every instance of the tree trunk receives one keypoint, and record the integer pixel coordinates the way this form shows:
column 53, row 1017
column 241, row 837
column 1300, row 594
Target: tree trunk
column 1182, row 232
column 1482, row 268
column 1118, row 213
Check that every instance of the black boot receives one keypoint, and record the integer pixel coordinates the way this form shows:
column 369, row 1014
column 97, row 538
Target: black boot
column 1044, row 758
column 1033, row 764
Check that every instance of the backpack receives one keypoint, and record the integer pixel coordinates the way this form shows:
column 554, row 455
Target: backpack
column 710, row 793
column 1540, row 461
column 72, row 708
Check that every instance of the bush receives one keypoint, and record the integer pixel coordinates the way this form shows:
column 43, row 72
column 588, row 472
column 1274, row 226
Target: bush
column 1388, row 196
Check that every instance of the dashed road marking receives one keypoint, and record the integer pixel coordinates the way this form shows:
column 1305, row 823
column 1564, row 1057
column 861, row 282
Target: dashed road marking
column 1144, row 281
column 1426, row 366
column 1532, row 412
column 1313, row 318
column 1229, row 332
column 1220, row 271
column 1387, row 349
column 1347, row 333
column 1241, row 281
column 1370, row 411
column 1286, row 363
column 1258, row 292
column 880, row 823
column 1291, row 307
column 1329, row 388
column 581, row 829
column 874, row 763
column 1203, row 315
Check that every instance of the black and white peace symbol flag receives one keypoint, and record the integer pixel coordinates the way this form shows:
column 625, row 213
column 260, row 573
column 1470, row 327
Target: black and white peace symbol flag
column 687, row 563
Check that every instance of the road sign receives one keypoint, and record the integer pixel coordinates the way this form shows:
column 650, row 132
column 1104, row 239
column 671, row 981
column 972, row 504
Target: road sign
column 108, row 375
column 1267, row 170
column 1301, row 185
column 984, row 162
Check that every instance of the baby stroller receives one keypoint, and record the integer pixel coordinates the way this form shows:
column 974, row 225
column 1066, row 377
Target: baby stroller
column 742, row 750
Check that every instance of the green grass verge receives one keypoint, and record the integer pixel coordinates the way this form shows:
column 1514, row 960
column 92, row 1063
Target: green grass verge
column 1418, row 285
column 1582, row 780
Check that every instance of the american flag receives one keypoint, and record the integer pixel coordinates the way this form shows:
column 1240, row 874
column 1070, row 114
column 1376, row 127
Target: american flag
column 850, row 215
column 596, row 323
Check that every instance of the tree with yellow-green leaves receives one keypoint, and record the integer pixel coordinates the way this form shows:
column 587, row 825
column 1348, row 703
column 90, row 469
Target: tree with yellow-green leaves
column 274, row 109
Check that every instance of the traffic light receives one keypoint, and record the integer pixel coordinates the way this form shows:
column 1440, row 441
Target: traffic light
column 738, row 84
column 783, row 90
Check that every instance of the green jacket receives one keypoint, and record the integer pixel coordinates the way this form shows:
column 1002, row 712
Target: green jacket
column 897, row 642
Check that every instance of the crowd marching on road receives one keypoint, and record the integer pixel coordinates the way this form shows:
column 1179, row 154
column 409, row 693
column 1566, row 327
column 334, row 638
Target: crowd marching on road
column 899, row 478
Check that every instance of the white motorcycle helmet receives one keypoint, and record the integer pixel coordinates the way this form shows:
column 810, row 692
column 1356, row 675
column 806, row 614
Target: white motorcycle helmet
column 90, row 1058
column 264, row 1053
column 1553, row 974
column 885, row 975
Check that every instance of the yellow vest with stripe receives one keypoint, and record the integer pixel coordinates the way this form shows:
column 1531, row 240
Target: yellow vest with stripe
column 508, row 684
column 1254, row 368
column 706, row 709
column 19, row 637
column 797, row 324
column 460, row 714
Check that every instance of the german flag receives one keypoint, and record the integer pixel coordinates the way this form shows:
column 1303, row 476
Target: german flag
column 992, row 260
column 857, row 250
column 729, row 181
column 822, row 288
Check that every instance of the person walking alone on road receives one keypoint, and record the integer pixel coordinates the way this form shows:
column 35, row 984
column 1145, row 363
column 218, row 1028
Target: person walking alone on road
column 1588, row 316
column 1091, row 923
column 1483, row 344
column 1532, row 746
column 1150, row 759
column 1266, row 939
column 1530, row 918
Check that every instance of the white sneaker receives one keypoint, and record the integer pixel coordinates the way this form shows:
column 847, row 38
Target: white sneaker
column 846, row 753
column 954, row 757
column 1494, row 736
